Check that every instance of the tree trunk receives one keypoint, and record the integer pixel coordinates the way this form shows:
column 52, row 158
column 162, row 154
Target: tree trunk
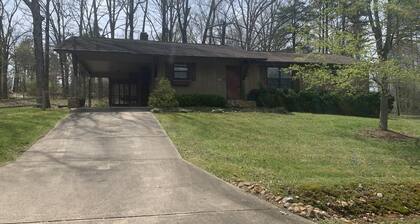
column 17, row 78
column 1, row 79
column 397, row 98
column 164, row 8
column 131, row 19
column 4, row 65
column 208, row 21
column 38, row 49
column 81, row 21
column 46, row 80
column 95, row 19
column 223, row 36
column 383, row 114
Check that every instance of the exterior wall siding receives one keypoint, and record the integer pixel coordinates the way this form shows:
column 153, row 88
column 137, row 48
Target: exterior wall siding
column 252, row 79
column 210, row 77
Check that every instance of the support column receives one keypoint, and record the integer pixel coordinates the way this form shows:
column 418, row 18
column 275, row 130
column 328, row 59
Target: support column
column 89, row 91
column 243, row 73
column 75, row 79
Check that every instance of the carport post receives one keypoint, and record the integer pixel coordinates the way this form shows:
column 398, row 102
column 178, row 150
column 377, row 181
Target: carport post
column 89, row 91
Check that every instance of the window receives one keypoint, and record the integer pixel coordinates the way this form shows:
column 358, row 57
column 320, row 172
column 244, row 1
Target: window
column 285, row 79
column 278, row 78
column 273, row 77
column 181, row 72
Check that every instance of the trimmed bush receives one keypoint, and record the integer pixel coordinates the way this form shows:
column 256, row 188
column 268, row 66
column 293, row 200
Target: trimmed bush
column 163, row 96
column 271, row 98
column 320, row 102
column 201, row 100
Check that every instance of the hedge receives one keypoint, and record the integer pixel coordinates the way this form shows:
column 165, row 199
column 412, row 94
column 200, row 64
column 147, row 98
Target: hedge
column 319, row 102
column 201, row 100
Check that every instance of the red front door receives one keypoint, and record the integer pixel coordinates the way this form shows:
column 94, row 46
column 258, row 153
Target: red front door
column 233, row 82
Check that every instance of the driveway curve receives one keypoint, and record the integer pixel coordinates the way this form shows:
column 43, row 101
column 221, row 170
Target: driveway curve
column 120, row 167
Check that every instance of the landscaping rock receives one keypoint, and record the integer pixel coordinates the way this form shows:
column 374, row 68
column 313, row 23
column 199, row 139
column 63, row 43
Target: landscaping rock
column 217, row 111
column 155, row 110
column 299, row 208
column 243, row 184
column 183, row 110
column 287, row 199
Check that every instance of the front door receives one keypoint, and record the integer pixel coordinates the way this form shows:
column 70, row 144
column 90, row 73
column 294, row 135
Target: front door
column 233, row 82
column 123, row 93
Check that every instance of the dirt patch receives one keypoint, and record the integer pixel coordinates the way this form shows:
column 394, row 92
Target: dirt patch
column 387, row 135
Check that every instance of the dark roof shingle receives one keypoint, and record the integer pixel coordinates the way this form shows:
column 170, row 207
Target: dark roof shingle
column 75, row 44
column 307, row 58
column 83, row 44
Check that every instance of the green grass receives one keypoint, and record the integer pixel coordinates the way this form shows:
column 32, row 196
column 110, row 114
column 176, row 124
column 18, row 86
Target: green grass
column 317, row 156
column 20, row 127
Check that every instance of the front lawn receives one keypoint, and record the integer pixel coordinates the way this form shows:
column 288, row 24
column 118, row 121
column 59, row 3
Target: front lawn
column 20, row 127
column 321, row 158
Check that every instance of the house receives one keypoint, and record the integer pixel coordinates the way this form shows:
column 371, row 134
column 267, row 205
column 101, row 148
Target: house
column 134, row 66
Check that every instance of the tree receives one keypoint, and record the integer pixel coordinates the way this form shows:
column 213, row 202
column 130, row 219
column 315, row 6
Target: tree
column 210, row 21
column 163, row 96
column 246, row 14
column 183, row 9
column 113, row 9
column 8, row 38
column 59, row 28
column 386, row 21
column 352, row 79
column 46, row 80
column 41, row 77
column 24, row 60
column 130, row 9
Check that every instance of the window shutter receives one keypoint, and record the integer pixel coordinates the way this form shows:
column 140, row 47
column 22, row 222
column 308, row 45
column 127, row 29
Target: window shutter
column 192, row 71
column 169, row 71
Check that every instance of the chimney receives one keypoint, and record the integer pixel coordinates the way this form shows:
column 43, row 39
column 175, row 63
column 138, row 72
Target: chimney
column 144, row 36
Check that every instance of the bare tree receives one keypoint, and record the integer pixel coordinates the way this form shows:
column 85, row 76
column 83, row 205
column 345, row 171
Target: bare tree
column 8, row 38
column 46, row 83
column 59, row 28
column 183, row 10
column 42, row 89
column 246, row 19
column 113, row 9
column 130, row 9
column 210, row 21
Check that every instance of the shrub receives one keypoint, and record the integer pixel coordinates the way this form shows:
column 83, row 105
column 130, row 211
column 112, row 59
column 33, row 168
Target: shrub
column 163, row 96
column 366, row 104
column 271, row 98
column 201, row 100
column 253, row 94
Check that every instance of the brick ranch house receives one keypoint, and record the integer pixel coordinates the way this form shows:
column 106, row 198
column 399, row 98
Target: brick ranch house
column 134, row 66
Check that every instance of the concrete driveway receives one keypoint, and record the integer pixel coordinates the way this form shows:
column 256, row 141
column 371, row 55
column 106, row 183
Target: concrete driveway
column 120, row 168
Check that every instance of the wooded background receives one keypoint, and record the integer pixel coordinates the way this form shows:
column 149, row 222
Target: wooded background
column 376, row 30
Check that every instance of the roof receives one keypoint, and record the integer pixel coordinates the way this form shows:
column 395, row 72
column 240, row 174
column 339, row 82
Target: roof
column 142, row 47
column 307, row 58
column 75, row 44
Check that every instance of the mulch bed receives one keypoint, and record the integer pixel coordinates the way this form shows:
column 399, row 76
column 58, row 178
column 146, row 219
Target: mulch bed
column 387, row 135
